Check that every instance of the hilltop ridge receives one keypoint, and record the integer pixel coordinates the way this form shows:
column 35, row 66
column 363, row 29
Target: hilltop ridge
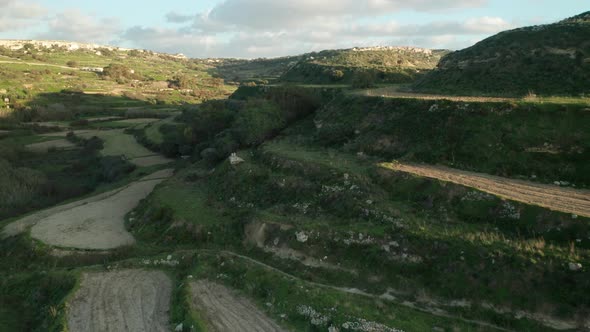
column 551, row 59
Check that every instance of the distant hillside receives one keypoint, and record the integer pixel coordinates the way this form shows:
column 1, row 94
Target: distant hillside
column 33, row 68
column 551, row 59
column 384, row 64
column 257, row 70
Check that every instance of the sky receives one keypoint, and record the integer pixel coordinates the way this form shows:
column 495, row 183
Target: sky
column 271, row 28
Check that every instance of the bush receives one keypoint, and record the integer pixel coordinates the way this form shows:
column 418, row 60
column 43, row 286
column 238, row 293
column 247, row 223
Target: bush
column 259, row 120
column 363, row 80
column 18, row 186
column 119, row 72
column 115, row 168
column 183, row 81
column 72, row 63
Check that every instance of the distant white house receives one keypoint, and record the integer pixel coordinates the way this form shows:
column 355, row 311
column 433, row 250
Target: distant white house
column 93, row 69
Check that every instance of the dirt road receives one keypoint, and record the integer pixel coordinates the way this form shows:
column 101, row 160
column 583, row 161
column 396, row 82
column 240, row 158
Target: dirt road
column 568, row 200
column 226, row 311
column 38, row 64
column 394, row 92
column 128, row 300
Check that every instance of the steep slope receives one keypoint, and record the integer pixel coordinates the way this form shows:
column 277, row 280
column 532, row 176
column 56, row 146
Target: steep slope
column 551, row 59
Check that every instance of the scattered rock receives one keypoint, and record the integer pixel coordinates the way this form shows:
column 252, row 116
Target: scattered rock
column 575, row 267
column 302, row 237
column 235, row 160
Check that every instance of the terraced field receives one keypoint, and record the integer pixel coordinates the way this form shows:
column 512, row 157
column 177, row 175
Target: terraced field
column 556, row 198
column 95, row 223
column 225, row 311
column 126, row 300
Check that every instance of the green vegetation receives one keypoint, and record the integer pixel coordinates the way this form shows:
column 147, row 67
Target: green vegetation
column 547, row 142
column 369, row 228
column 542, row 60
column 279, row 192
column 30, row 181
column 363, row 67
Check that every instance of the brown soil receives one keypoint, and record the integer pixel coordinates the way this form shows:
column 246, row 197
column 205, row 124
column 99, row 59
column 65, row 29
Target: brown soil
column 568, row 200
column 129, row 300
column 93, row 223
column 226, row 311
column 393, row 92
column 98, row 225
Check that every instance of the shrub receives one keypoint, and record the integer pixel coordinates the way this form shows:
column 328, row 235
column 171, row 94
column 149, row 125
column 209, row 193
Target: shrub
column 259, row 120
column 119, row 72
column 72, row 63
column 363, row 80
column 114, row 168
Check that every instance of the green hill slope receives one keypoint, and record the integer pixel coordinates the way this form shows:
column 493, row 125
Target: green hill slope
column 385, row 64
column 551, row 59
column 36, row 68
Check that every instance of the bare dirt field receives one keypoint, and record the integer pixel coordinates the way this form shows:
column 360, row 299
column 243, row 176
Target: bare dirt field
column 128, row 300
column 92, row 223
column 568, row 200
column 61, row 144
column 226, row 311
column 98, row 225
column 393, row 92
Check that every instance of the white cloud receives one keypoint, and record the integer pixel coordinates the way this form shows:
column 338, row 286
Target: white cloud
column 15, row 15
column 74, row 25
column 314, row 36
column 265, row 28
column 271, row 14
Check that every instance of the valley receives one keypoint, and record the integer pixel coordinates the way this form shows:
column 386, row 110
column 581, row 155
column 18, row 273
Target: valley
column 342, row 190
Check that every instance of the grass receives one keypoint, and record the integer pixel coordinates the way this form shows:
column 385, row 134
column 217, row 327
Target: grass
column 496, row 66
column 153, row 132
column 188, row 202
column 117, row 143
column 402, row 91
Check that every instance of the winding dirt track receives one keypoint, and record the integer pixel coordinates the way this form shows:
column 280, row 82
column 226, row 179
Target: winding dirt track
column 226, row 311
column 568, row 200
column 128, row 300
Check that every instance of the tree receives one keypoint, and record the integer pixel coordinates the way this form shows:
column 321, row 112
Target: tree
column 363, row 80
column 118, row 72
column 337, row 75
column 183, row 81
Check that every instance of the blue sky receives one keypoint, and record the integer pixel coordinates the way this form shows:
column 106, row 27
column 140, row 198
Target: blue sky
column 268, row 28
